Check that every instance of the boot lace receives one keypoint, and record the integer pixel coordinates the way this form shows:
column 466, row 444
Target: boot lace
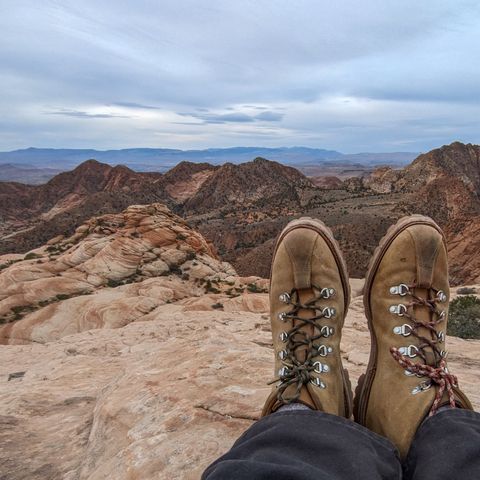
column 437, row 374
column 296, row 370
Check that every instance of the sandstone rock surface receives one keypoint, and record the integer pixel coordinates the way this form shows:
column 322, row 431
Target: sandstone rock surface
column 159, row 398
column 118, row 371
column 114, row 269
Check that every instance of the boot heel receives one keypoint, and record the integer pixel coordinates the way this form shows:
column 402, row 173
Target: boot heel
column 358, row 396
column 348, row 394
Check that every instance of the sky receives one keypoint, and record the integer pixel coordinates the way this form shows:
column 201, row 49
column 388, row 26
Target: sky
column 376, row 75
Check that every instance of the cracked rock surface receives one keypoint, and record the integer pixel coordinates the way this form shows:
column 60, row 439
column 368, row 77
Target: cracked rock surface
column 152, row 378
column 157, row 398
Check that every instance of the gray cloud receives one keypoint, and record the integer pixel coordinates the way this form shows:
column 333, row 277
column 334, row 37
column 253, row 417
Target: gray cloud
column 80, row 114
column 135, row 105
column 269, row 116
column 235, row 117
column 340, row 75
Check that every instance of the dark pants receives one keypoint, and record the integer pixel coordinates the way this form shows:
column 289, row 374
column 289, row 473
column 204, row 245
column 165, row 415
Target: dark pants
column 301, row 445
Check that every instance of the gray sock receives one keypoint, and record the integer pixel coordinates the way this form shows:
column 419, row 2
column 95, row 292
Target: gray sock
column 445, row 407
column 293, row 406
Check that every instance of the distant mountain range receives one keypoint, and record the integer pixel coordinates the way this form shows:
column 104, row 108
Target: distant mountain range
column 162, row 159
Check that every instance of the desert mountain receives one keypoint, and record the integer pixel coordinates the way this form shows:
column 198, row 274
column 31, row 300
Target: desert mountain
column 31, row 215
column 444, row 184
column 258, row 183
column 185, row 179
column 242, row 208
column 132, row 344
column 88, row 179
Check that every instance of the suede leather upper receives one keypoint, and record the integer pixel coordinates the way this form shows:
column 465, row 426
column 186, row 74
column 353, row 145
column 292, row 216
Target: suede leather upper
column 303, row 257
column 417, row 255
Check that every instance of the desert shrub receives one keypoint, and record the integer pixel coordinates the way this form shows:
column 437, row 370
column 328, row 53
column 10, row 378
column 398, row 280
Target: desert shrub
column 254, row 288
column 466, row 291
column 31, row 256
column 191, row 255
column 20, row 310
column 62, row 296
column 217, row 306
column 464, row 317
column 176, row 270
column 113, row 283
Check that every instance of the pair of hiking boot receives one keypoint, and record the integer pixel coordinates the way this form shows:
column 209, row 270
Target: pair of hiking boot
column 406, row 298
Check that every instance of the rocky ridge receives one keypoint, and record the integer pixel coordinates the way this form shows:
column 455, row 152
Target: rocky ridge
column 260, row 182
column 242, row 208
column 113, row 270
column 444, row 184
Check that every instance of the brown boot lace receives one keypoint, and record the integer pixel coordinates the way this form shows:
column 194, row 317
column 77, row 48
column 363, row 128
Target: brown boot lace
column 437, row 373
column 297, row 371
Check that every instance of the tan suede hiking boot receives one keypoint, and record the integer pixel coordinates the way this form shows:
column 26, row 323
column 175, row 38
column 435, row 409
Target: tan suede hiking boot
column 406, row 299
column 309, row 297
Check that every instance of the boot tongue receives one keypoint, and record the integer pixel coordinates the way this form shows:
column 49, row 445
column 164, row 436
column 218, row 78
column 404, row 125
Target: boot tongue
column 304, row 296
column 424, row 315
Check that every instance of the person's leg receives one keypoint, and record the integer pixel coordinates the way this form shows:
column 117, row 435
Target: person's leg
column 306, row 445
column 446, row 447
column 309, row 297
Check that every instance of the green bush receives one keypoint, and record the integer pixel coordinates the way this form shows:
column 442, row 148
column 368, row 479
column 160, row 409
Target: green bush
column 466, row 291
column 464, row 317
column 31, row 256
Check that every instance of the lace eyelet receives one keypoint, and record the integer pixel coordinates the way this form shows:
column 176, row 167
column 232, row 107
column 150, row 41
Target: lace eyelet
column 284, row 297
column 441, row 297
column 326, row 331
column 282, row 354
column 327, row 292
column 283, row 336
column 401, row 290
column 410, row 351
column 404, row 330
column 323, row 350
column 399, row 309
column 422, row 387
column 328, row 312
column 320, row 367
column 318, row 383
column 283, row 316
column 408, row 373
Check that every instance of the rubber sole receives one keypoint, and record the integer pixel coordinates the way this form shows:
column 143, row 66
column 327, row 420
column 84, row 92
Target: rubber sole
column 327, row 235
column 364, row 385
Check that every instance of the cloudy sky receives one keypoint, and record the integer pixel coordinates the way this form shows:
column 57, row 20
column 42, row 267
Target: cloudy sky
column 376, row 75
